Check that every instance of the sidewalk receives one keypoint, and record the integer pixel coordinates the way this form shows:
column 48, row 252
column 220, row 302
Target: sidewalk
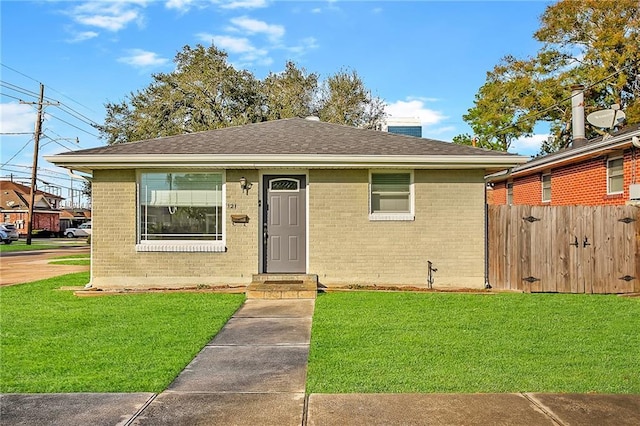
column 253, row 373
column 26, row 266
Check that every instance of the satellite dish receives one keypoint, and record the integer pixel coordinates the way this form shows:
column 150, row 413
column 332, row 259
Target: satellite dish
column 606, row 118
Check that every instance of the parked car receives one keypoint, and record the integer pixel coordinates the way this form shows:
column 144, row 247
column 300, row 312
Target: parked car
column 83, row 230
column 8, row 233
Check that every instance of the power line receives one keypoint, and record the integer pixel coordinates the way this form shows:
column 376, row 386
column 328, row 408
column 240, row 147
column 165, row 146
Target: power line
column 13, row 97
column 17, row 153
column 74, row 126
column 78, row 115
column 21, row 73
column 50, row 88
column 18, row 89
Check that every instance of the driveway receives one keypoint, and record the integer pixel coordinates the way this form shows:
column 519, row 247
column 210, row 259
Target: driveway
column 26, row 266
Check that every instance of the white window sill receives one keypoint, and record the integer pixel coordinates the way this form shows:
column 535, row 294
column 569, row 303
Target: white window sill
column 391, row 216
column 166, row 246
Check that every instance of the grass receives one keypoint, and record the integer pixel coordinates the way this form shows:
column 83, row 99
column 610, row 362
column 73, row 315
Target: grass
column 74, row 259
column 53, row 341
column 442, row 343
column 21, row 245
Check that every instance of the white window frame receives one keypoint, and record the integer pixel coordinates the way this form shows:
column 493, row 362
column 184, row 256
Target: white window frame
column 391, row 216
column 509, row 187
column 609, row 176
column 216, row 246
column 544, row 175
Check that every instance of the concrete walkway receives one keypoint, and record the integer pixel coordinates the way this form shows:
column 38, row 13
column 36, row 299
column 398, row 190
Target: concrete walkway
column 253, row 373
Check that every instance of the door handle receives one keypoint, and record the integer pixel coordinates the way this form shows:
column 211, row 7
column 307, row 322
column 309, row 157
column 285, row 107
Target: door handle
column 575, row 242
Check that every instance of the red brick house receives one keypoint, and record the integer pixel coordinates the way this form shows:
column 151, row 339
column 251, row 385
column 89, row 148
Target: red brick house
column 601, row 171
column 14, row 207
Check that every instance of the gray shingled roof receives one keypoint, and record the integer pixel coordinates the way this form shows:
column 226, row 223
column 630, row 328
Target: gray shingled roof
column 293, row 136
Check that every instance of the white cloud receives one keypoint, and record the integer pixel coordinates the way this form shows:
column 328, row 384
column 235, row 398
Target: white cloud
column 82, row 36
column 243, row 4
column 16, row 118
column 180, row 5
column 142, row 59
column 248, row 53
column 228, row 43
column 529, row 145
column 108, row 15
column 253, row 26
column 305, row 45
column 415, row 108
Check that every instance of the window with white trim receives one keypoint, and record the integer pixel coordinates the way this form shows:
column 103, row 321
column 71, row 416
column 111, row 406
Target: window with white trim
column 391, row 196
column 615, row 175
column 509, row 193
column 546, row 187
column 181, row 209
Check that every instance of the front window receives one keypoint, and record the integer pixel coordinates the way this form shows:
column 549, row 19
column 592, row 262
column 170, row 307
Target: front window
column 615, row 176
column 391, row 196
column 181, row 207
column 546, row 187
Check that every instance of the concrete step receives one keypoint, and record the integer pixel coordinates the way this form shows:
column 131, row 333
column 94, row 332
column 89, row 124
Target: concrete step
column 283, row 286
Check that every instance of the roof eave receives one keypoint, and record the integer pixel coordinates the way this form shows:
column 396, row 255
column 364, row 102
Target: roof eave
column 586, row 151
column 87, row 163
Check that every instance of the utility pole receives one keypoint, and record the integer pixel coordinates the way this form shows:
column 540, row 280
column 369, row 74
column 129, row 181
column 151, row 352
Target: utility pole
column 36, row 148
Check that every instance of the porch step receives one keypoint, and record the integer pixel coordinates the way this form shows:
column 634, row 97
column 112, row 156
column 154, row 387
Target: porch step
column 283, row 286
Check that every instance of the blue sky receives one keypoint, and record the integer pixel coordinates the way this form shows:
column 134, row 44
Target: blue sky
column 426, row 59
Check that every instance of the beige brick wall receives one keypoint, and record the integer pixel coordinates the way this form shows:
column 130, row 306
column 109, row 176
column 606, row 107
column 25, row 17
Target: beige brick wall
column 344, row 246
column 116, row 264
column 347, row 248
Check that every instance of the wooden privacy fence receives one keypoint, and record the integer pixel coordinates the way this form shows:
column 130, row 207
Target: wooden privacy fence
column 564, row 249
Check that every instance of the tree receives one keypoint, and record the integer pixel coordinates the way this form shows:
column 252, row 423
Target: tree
column 205, row 92
column 344, row 99
column 290, row 93
column 588, row 42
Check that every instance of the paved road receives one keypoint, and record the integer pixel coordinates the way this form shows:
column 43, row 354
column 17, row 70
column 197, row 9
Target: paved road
column 27, row 266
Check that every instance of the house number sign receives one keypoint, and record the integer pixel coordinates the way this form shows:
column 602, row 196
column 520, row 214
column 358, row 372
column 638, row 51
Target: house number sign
column 231, row 205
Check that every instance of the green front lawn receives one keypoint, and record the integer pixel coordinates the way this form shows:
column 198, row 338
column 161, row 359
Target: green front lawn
column 36, row 244
column 417, row 342
column 53, row 341
column 73, row 259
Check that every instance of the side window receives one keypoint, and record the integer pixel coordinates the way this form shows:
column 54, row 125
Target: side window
column 546, row 187
column 391, row 196
column 615, row 175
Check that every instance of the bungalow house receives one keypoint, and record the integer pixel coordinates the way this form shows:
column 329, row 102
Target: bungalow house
column 602, row 171
column 14, row 207
column 292, row 196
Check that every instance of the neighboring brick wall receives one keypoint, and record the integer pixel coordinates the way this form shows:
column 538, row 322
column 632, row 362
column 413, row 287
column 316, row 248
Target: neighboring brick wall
column 347, row 248
column 583, row 183
column 528, row 190
column 115, row 262
column 497, row 195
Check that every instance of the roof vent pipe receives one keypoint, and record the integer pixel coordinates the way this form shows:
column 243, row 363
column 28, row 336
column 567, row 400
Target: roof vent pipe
column 577, row 116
